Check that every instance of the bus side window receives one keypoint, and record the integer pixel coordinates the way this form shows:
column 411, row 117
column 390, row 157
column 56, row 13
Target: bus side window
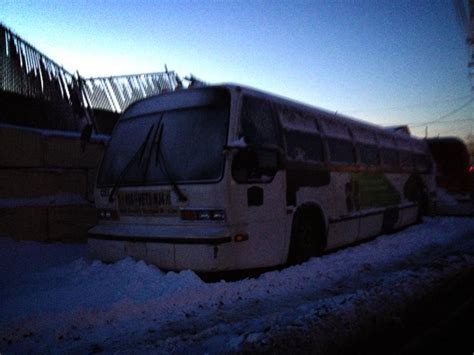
column 341, row 150
column 258, row 122
column 406, row 159
column 389, row 157
column 256, row 165
column 369, row 154
column 304, row 146
column 422, row 163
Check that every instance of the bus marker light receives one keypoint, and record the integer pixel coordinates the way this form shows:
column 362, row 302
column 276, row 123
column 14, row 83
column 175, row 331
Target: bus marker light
column 218, row 214
column 188, row 215
column 107, row 214
column 203, row 215
column 241, row 237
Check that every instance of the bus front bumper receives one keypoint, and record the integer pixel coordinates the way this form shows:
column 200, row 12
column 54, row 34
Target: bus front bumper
column 168, row 247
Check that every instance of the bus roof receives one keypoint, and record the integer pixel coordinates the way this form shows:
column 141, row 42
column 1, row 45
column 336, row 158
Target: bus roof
column 351, row 122
column 399, row 135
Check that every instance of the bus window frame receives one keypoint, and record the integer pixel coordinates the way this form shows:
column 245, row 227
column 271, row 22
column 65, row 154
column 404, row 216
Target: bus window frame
column 279, row 131
column 405, row 168
column 314, row 134
column 353, row 163
column 253, row 149
column 183, row 182
column 423, row 170
column 366, row 166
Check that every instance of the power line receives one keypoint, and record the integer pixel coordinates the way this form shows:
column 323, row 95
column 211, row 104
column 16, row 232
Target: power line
column 461, row 16
column 458, row 124
column 444, row 122
column 444, row 116
column 426, row 103
column 460, row 130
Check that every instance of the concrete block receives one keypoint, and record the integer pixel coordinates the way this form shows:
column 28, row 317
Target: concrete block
column 70, row 223
column 25, row 222
column 20, row 148
column 30, row 183
column 66, row 152
column 91, row 181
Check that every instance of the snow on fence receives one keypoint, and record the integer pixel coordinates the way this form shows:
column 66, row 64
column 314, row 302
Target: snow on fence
column 27, row 72
column 116, row 93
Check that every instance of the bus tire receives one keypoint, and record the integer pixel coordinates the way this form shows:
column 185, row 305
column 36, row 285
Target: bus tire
column 423, row 201
column 415, row 191
column 308, row 234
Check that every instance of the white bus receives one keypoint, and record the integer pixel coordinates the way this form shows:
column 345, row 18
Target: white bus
column 227, row 178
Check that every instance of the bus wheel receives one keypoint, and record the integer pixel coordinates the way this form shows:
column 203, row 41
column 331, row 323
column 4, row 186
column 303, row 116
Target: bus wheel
column 423, row 202
column 307, row 235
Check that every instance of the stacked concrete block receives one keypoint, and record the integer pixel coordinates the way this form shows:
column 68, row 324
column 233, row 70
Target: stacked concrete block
column 46, row 184
column 39, row 182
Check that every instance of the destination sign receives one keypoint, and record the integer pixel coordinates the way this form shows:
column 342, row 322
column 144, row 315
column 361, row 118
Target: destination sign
column 146, row 203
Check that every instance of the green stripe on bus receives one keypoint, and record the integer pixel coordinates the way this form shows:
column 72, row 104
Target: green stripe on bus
column 374, row 190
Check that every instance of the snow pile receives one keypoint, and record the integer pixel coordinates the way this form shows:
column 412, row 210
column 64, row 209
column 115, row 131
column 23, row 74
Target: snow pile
column 24, row 258
column 82, row 305
column 445, row 198
column 238, row 143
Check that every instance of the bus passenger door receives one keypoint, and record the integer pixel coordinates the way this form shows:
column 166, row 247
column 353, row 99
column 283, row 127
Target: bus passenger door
column 259, row 205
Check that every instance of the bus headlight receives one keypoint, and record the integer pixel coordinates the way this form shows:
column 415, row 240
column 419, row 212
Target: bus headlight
column 202, row 215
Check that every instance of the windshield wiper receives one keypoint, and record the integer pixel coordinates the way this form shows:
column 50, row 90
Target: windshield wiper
column 181, row 196
column 141, row 152
column 156, row 140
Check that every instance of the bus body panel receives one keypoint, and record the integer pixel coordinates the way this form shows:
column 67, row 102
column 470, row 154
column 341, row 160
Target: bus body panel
column 356, row 202
column 198, row 257
column 371, row 224
column 265, row 226
column 264, row 223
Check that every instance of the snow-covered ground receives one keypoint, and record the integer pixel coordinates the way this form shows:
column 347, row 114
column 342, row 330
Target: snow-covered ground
column 52, row 298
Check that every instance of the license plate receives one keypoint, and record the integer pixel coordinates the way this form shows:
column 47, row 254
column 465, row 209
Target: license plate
column 146, row 203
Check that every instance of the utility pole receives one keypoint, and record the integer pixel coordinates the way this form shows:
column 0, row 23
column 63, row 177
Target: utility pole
column 465, row 18
column 470, row 41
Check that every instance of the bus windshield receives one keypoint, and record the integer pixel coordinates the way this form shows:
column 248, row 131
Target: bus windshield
column 183, row 145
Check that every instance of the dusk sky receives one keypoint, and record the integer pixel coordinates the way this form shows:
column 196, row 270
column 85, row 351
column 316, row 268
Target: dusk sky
column 387, row 62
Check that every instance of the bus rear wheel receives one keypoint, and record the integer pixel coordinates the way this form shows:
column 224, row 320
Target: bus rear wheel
column 423, row 201
column 307, row 235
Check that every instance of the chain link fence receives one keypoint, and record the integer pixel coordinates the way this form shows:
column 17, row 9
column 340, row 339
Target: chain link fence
column 116, row 93
column 58, row 99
